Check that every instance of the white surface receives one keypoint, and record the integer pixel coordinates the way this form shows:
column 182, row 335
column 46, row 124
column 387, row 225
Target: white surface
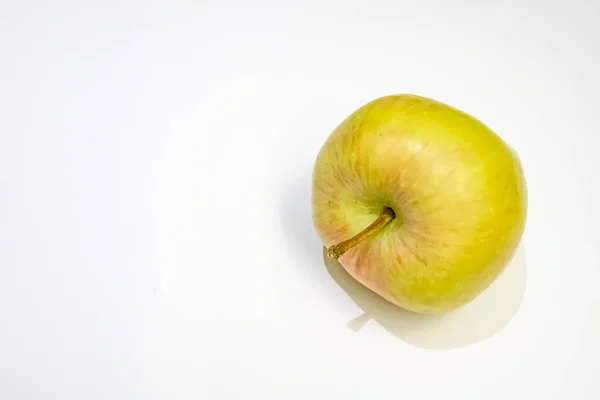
column 155, row 233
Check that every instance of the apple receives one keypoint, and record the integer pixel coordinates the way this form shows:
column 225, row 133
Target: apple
column 420, row 202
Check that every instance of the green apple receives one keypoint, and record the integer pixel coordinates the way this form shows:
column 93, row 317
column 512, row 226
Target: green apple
column 419, row 202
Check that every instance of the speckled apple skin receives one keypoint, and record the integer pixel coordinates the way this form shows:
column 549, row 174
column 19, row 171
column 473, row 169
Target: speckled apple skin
column 457, row 189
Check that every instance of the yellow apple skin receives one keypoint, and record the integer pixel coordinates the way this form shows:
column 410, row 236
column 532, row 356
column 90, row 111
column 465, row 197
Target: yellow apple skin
column 457, row 189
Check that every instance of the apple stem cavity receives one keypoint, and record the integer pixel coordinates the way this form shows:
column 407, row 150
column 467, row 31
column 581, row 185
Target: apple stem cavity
column 337, row 250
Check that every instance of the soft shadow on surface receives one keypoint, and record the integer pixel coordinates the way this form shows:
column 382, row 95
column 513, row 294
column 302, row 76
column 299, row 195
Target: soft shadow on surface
column 296, row 220
column 485, row 316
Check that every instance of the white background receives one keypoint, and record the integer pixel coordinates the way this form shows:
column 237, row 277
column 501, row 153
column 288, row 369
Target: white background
column 155, row 232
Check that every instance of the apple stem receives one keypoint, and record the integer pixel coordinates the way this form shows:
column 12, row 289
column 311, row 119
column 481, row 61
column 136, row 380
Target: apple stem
column 337, row 250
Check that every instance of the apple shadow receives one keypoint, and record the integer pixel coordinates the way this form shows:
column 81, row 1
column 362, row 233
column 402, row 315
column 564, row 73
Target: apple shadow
column 485, row 316
column 296, row 220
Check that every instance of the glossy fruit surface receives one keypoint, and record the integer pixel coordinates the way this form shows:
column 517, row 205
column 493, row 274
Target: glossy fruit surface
column 456, row 189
